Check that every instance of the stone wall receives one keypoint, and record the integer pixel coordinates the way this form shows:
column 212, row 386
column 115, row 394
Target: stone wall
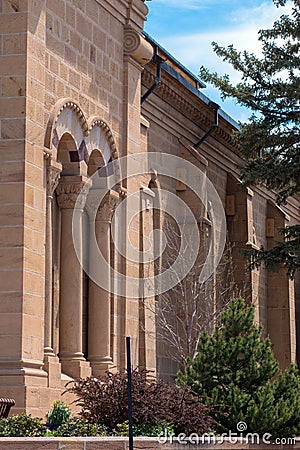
column 122, row 444
column 72, row 73
column 68, row 68
column 186, row 117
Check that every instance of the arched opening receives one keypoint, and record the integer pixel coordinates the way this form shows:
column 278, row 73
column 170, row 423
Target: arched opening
column 70, row 281
column 96, row 162
column 78, row 149
column 70, row 157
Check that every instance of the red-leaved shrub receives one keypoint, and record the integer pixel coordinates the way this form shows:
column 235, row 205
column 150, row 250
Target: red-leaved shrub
column 103, row 400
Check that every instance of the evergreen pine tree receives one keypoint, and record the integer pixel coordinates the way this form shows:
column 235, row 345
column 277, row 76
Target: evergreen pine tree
column 270, row 141
column 235, row 369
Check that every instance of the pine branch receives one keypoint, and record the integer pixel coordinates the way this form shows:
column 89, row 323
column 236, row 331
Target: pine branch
column 270, row 142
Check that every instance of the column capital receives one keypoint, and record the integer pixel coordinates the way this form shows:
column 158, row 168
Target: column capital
column 53, row 169
column 107, row 207
column 105, row 211
column 68, row 190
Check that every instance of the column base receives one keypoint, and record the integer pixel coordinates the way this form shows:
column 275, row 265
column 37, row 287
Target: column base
column 53, row 367
column 76, row 368
column 26, row 382
column 101, row 365
column 48, row 351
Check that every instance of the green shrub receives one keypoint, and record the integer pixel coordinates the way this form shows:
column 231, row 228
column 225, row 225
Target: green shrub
column 57, row 415
column 104, row 400
column 152, row 430
column 121, row 429
column 78, row 427
column 22, row 425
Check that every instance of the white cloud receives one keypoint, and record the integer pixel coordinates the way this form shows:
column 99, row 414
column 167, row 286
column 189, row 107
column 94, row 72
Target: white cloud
column 190, row 4
column 262, row 15
column 194, row 50
column 240, row 29
column 201, row 4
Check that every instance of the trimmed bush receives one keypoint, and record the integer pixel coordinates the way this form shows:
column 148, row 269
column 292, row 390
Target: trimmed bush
column 144, row 429
column 78, row 427
column 22, row 425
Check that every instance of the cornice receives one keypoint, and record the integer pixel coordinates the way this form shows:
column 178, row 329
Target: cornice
column 117, row 9
column 188, row 104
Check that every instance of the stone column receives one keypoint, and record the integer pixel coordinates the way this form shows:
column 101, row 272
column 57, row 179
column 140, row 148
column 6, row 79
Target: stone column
column 71, row 289
column 147, row 332
column 99, row 328
column 53, row 169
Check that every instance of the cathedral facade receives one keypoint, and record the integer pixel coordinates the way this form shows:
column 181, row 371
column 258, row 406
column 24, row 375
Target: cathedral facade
column 101, row 131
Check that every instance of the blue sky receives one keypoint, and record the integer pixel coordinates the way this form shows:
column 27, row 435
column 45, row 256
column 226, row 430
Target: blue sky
column 186, row 29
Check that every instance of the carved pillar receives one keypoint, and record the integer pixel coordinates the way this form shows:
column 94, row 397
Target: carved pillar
column 54, row 169
column 71, row 288
column 99, row 328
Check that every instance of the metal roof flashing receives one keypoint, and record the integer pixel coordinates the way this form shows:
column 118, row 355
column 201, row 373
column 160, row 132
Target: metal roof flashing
column 190, row 81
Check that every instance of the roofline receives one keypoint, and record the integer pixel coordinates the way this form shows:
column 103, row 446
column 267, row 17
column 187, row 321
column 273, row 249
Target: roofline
column 197, row 80
column 194, row 89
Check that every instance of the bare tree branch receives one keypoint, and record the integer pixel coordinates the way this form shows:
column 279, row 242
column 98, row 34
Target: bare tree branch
column 192, row 306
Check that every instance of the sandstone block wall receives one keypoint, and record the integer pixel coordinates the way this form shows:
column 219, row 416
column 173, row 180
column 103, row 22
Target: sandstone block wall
column 53, row 50
column 121, row 444
column 72, row 73
column 186, row 119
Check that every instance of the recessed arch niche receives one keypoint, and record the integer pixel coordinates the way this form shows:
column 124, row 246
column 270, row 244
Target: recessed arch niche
column 89, row 135
column 82, row 146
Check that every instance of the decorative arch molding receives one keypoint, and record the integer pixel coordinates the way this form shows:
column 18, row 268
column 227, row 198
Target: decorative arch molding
column 88, row 134
column 56, row 113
